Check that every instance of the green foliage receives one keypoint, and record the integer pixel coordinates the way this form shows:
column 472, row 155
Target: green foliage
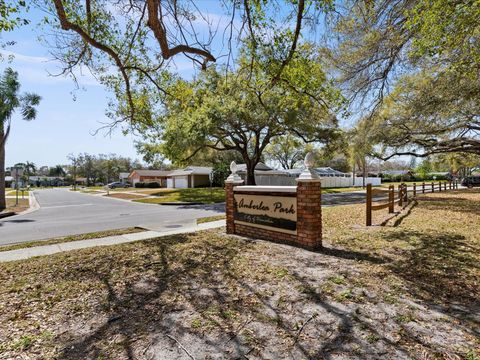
column 10, row 101
column 288, row 151
column 244, row 111
column 424, row 168
column 148, row 185
column 220, row 173
column 448, row 30
column 431, row 111
column 9, row 15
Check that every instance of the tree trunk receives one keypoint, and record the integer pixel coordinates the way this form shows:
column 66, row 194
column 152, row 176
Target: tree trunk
column 3, row 203
column 251, row 174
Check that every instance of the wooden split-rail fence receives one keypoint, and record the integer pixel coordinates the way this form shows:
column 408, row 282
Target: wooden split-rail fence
column 401, row 197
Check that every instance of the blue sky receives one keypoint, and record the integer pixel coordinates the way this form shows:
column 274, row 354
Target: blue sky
column 67, row 117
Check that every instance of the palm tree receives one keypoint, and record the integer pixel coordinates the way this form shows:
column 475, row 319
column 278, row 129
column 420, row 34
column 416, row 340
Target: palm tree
column 30, row 169
column 57, row 171
column 11, row 100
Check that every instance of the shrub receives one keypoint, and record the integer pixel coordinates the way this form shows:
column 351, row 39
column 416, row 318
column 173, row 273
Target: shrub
column 139, row 185
column 153, row 185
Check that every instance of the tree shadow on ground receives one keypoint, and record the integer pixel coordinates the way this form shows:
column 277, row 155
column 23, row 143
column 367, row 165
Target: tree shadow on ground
column 351, row 255
column 439, row 266
column 440, row 270
column 135, row 314
column 457, row 204
column 206, row 280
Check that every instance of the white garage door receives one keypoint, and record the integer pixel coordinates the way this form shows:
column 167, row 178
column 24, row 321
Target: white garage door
column 181, row 182
column 169, row 183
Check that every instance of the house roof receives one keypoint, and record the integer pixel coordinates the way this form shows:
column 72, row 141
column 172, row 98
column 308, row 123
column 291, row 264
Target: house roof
column 192, row 170
column 321, row 171
column 328, row 171
column 142, row 172
column 8, row 178
column 123, row 175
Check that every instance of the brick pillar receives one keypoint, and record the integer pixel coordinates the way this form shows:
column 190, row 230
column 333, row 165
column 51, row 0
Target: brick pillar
column 232, row 181
column 309, row 213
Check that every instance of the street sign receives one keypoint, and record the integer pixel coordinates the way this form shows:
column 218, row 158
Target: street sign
column 17, row 172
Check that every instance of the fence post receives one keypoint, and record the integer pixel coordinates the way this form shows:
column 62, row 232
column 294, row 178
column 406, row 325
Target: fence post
column 405, row 192
column 369, row 204
column 450, row 185
column 414, row 189
column 423, row 187
column 440, row 186
column 391, row 199
column 445, row 185
column 433, row 187
column 400, row 195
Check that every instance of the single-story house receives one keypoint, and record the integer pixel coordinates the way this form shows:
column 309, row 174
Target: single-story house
column 190, row 177
column 46, row 181
column 148, row 176
column 123, row 177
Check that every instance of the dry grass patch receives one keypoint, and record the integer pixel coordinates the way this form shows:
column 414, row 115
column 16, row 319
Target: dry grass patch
column 125, row 196
column 210, row 219
column 23, row 204
column 64, row 239
column 379, row 293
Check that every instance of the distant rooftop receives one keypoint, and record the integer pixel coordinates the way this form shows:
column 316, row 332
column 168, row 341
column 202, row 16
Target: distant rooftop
column 152, row 172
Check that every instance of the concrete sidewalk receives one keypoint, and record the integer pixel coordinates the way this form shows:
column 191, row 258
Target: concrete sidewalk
column 21, row 254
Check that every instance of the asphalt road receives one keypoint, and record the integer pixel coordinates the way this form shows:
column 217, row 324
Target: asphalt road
column 63, row 212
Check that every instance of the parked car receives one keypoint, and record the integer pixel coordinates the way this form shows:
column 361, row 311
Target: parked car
column 118, row 184
column 471, row 181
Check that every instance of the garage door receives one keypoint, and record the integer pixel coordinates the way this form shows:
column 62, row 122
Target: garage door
column 181, row 182
column 169, row 183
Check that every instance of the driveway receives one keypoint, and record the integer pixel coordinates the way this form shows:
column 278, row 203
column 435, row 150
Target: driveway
column 63, row 212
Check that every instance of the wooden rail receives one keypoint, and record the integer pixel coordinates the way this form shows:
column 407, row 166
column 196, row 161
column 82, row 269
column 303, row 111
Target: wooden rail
column 403, row 198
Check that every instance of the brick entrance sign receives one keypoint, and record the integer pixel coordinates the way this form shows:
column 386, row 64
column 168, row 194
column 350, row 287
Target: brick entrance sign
column 284, row 214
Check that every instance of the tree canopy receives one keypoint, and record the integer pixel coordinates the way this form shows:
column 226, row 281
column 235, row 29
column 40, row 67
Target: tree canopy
column 414, row 65
column 247, row 112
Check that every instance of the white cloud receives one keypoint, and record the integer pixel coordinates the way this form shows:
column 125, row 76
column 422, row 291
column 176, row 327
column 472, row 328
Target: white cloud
column 10, row 55
column 39, row 69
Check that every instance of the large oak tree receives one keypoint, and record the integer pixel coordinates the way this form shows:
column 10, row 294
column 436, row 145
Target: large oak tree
column 247, row 111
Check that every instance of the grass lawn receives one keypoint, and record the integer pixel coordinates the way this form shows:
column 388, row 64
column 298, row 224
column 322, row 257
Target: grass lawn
column 210, row 219
column 64, row 239
column 341, row 190
column 23, row 204
column 203, row 195
column 14, row 193
column 402, row 292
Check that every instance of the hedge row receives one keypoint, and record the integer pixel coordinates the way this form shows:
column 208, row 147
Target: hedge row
column 150, row 185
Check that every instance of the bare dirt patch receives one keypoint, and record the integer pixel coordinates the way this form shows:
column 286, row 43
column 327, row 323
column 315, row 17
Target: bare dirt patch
column 402, row 292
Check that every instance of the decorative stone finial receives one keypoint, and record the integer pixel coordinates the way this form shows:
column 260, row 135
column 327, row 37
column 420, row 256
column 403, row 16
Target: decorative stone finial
column 309, row 160
column 233, row 177
column 233, row 167
column 309, row 174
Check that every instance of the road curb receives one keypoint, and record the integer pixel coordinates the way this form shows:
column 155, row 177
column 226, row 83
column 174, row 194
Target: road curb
column 33, row 204
column 43, row 250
